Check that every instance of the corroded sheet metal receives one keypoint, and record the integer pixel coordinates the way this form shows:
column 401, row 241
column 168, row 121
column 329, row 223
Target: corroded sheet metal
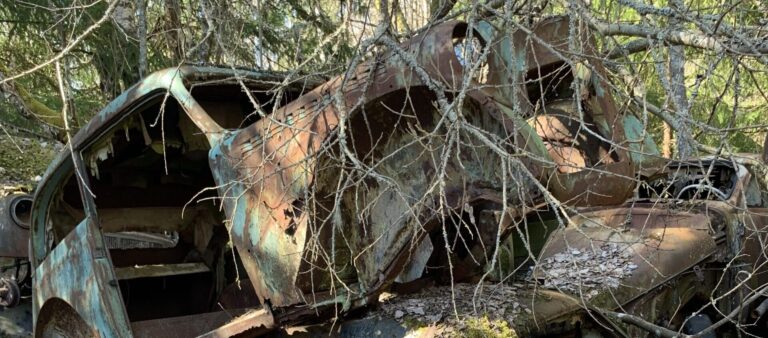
column 660, row 242
column 252, row 324
column 14, row 225
column 520, row 56
column 266, row 170
column 176, row 80
column 184, row 326
column 552, row 312
column 90, row 288
column 269, row 171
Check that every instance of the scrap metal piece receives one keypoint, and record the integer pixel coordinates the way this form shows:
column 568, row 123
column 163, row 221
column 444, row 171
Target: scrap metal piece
column 15, row 212
column 159, row 270
column 90, row 291
column 141, row 240
column 10, row 295
column 269, row 172
column 251, row 324
column 649, row 250
column 183, row 326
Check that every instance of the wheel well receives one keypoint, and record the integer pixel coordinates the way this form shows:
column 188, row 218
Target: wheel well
column 59, row 319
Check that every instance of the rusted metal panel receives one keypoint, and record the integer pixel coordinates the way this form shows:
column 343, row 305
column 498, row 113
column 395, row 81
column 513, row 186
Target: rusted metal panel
column 267, row 170
column 660, row 244
column 552, row 312
column 663, row 244
column 183, row 327
column 523, row 56
column 159, row 270
column 15, row 211
column 79, row 273
column 251, row 324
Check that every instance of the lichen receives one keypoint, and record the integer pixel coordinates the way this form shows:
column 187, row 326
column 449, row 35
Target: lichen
column 485, row 328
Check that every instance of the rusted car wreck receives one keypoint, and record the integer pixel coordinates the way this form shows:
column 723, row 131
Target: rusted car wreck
column 202, row 194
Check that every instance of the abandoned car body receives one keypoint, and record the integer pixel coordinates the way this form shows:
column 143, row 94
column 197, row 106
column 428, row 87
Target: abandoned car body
column 690, row 237
column 650, row 265
column 178, row 186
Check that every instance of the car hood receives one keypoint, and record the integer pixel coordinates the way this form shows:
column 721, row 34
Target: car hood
column 607, row 258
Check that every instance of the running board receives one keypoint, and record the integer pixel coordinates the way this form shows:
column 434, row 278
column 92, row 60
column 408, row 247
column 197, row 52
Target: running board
column 159, row 270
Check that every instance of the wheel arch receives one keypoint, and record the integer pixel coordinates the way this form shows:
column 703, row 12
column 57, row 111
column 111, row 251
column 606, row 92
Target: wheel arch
column 58, row 316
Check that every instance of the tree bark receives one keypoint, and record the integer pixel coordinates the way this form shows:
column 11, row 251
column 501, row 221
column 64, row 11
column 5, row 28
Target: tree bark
column 31, row 108
column 440, row 8
column 141, row 16
column 676, row 36
column 174, row 35
column 685, row 148
column 320, row 21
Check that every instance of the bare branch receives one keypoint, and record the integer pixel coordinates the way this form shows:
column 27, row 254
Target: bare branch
column 66, row 49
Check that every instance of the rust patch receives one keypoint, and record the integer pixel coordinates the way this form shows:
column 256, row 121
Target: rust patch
column 15, row 213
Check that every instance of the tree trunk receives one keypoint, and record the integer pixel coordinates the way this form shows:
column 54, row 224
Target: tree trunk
column 141, row 16
column 66, row 83
column 440, row 8
column 678, row 93
column 175, row 35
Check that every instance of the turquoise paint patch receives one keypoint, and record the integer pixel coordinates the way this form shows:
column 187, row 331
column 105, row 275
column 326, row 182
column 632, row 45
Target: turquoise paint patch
column 75, row 275
column 599, row 90
column 486, row 30
column 228, row 191
column 246, row 147
column 223, row 175
column 240, row 213
column 641, row 145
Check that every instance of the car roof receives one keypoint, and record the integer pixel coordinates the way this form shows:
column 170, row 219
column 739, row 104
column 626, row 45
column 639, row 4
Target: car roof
column 161, row 82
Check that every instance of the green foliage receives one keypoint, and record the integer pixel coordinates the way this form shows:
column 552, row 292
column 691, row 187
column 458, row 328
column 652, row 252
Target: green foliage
column 412, row 323
column 486, row 328
column 321, row 36
column 22, row 166
column 726, row 91
column 266, row 35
